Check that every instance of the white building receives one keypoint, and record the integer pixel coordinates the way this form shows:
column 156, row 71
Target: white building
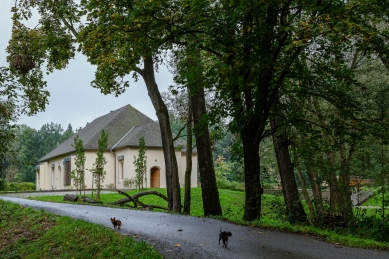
column 125, row 126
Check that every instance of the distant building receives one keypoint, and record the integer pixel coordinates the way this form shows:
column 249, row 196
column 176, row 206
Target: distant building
column 125, row 126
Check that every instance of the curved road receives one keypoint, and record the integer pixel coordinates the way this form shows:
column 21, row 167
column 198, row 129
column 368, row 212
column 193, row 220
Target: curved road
column 177, row 236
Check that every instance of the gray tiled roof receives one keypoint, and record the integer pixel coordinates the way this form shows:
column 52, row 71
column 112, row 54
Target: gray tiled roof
column 125, row 126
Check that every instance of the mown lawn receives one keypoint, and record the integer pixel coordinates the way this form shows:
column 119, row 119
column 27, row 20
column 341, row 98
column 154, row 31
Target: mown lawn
column 28, row 233
column 232, row 203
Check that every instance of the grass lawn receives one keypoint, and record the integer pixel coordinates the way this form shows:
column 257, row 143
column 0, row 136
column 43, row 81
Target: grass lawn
column 28, row 233
column 232, row 203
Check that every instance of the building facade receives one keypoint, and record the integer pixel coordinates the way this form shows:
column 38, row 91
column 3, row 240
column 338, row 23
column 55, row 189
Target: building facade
column 125, row 126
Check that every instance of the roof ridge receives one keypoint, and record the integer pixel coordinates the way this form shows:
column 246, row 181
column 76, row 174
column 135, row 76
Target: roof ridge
column 122, row 138
column 119, row 110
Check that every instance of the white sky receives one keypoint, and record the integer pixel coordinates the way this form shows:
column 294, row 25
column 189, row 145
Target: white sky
column 72, row 99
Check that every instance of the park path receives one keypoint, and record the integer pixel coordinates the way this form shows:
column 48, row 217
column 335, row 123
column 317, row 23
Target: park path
column 178, row 236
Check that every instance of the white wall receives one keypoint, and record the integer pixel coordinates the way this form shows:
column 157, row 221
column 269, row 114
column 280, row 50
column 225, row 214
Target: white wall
column 155, row 158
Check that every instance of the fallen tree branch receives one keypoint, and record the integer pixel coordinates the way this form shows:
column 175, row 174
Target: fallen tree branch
column 138, row 195
column 70, row 197
column 89, row 200
column 135, row 199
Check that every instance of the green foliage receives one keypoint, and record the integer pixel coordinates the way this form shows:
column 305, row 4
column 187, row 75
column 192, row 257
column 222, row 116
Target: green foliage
column 78, row 174
column 3, row 185
column 129, row 183
column 225, row 173
column 29, row 146
column 38, row 234
column 140, row 163
column 253, row 55
column 23, row 186
column 98, row 169
column 369, row 224
column 16, row 97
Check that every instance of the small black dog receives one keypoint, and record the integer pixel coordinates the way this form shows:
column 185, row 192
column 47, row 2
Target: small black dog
column 224, row 236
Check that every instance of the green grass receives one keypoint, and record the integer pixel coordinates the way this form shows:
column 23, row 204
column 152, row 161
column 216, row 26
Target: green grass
column 28, row 233
column 232, row 203
column 376, row 200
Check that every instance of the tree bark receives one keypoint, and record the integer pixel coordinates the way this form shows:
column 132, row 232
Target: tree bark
column 89, row 200
column 135, row 200
column 210, row 193
column 332, row 180
column 252, row 175
column 172, row 181
column 70, row 197
column 294, row 207
column 315, row 185
column 188, row 171
column 305, row 193
column 344, row 181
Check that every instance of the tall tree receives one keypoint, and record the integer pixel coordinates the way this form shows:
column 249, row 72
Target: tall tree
column 294, row 208
column 53, row 41
column 252, row 49
column 190, row 74
column 98, row 169
column 17, row 96
column 78, row 174
column 140, row 164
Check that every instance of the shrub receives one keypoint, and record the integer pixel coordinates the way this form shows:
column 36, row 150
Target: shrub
column 129, row 183
column 24, row 186
column 3, row 185
column 110, row 186
column 225, row 184
column 223, row 171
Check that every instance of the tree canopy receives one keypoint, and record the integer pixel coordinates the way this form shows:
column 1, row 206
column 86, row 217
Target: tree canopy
column 261, row 58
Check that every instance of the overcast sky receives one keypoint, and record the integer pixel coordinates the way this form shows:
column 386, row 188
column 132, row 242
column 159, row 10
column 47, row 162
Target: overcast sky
column 72, row 99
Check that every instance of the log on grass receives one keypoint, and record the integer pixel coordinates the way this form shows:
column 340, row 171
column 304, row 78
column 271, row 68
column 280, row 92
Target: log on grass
column 89, row 200
column 128, row 197
column 135, row 199
column 70, row 197
column 138, row 195
column 123, row 202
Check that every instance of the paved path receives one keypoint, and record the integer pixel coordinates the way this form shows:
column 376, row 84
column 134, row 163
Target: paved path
column 177, row 236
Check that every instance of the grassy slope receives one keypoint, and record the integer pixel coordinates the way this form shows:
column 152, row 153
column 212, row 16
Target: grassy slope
column 232, row 203
column 28, row 233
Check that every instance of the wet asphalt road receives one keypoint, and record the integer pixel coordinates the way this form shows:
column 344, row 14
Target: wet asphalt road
column 177, row 236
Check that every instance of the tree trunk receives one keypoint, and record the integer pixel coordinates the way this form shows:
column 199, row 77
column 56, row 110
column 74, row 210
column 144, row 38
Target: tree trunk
column 172, row 181
column 332, row 180
column 188, row 171
column 252, row 175
column 210, row 193
column 98, row 186
column 315, row 184
column 70, row 197
column 294, row 208
column 344, row 181
column 305, row 193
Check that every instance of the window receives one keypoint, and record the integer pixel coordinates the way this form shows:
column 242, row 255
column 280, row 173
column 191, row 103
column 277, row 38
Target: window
column 121, row 170
column 67, row 179
column 38, row 180
column 121, row 167
column 52, row 175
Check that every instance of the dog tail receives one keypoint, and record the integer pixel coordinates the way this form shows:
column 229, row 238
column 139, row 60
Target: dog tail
column 220, row 230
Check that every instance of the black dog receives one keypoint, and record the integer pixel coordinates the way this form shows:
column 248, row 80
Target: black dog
column 224, row 236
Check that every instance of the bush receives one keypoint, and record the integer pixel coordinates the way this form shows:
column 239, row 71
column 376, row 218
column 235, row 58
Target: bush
column 225, row 184
column 129, row 183
column 370, row 227
column 224, row 171
column 3, row 185
column 25, row 186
